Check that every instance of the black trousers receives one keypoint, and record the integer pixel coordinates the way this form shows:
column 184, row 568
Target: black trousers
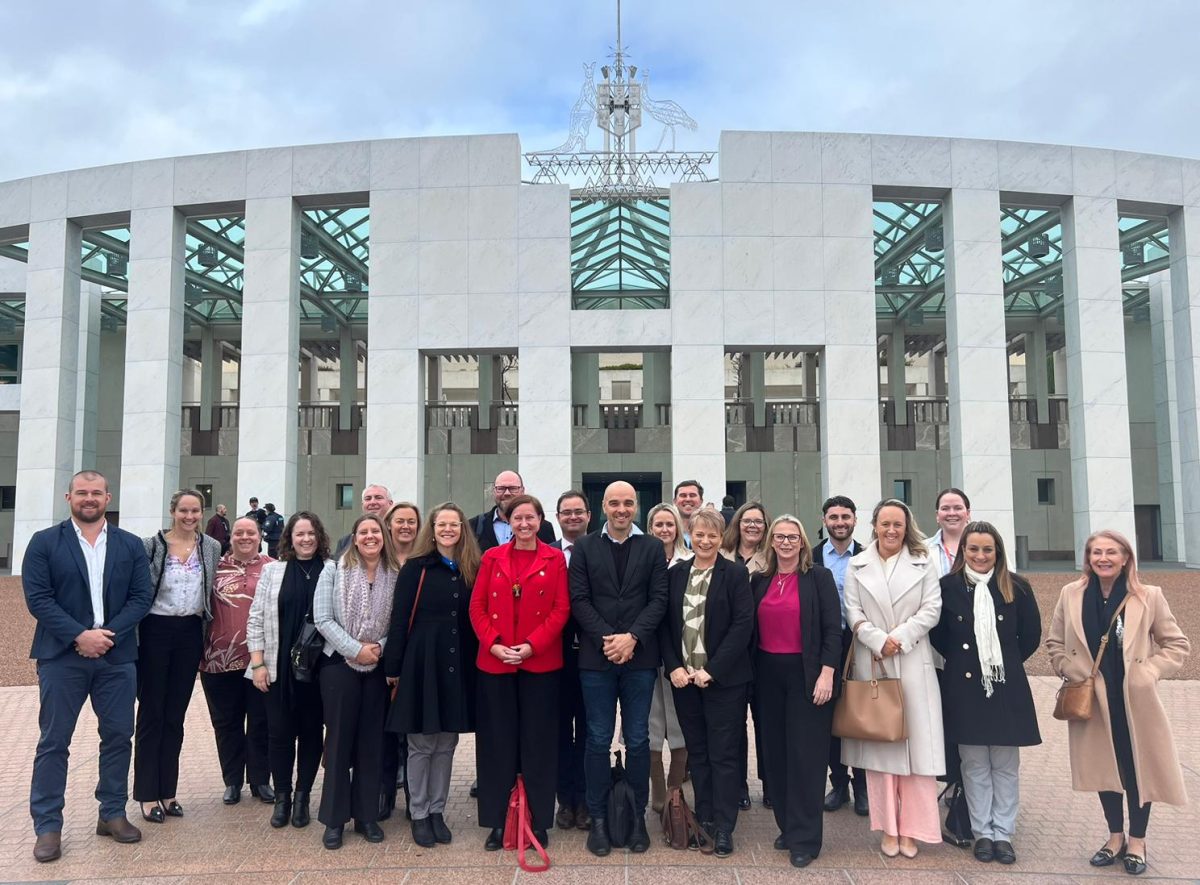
column 572, row 740
column 295, row 734
column 355, row 704
column 839, row 774
column 713, row 721
column 1110, row 800
column 516, row 732
column 759, row 755
column 169, row 652
column 239, row 719
column 796, row 738
column 394, row 748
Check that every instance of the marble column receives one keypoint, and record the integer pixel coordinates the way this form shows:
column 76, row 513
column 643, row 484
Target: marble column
column 49, row 380
column 698, row 416
column 1058, row 361
column 347, row 377
column 544, row 454
column 977, row 353
column 1036, row 370
column 655, row 375
column 210, row 376
column 88, row 385
column 897, row 382
column 1101, row 473
column 585, row 386
column 1184, row 232
column 150, row 431
column 1166, row 420
column 395, row 419
column 267, row 416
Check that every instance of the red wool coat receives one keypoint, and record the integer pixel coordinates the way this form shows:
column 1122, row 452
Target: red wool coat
column 537, row 616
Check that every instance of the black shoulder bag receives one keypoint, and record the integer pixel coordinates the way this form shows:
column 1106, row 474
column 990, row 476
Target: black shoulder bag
column 308, row 649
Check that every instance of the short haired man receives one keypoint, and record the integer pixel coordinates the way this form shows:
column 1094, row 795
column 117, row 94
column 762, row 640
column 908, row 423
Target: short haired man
column 618, row 597
column 377, row 500
column 491, row 528
column 256, row 513
column 689, row 497
column 839, row 518
column 574, row 515
column 218, row 528
column 87, row 584
column 272, row 531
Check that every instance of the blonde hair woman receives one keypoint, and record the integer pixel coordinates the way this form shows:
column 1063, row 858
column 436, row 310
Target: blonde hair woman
column 1126, row 746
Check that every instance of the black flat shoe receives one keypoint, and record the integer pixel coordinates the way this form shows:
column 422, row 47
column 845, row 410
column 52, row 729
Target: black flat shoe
column 233, row 795
column 767, row 802
column 262, row 792
column 422, row 832
column 543, row 837
column 565, row 819
column 494, row 840
column 744, row 803
column 370, row 831
column 985, row 850
column 332, row 838
column 597, row 840
column 441, row 832
column 172, row 808
column 1004, row 852
column 801, row 859
column 780, row 844
column 861, row 807
column 156, row 815
column 836, row 798
column 1106, row 857
column 474, row 791
column 1135, row 864
column 723, row 844
column 639, row 839
column 282, row 811
column 300, row 814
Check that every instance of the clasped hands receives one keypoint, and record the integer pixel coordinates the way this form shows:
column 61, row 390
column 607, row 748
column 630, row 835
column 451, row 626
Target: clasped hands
column 369, row 654
column 891, row 646
column 512, row 655
column 94, row 643
column 681, row 677
column 619, row 647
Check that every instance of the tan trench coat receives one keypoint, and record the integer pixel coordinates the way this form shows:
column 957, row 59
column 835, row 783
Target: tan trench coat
column 1154, row 647
column 907, row 608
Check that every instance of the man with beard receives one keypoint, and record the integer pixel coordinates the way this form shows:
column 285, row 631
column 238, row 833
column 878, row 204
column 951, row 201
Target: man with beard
column 840, row 519
column 491, row 529
column 87, row 584
column 689, row 497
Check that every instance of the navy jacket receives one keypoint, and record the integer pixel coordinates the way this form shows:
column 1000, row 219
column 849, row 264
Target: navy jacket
column 55, row 579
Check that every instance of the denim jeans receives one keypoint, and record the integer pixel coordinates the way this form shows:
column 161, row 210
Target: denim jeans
column 602, row 689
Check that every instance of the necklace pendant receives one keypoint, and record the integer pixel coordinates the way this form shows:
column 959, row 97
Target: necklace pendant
column 516, row 591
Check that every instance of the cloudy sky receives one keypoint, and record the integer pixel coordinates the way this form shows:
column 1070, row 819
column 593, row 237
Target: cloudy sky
column 131, row 79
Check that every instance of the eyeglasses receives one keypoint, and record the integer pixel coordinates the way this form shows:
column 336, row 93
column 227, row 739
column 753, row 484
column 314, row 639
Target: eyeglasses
column 758, row 522
column 506, row 489
column 572, row 513
column 786, row 539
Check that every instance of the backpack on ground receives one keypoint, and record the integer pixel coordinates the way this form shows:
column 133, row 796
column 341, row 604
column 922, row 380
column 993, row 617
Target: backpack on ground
column 622, row 808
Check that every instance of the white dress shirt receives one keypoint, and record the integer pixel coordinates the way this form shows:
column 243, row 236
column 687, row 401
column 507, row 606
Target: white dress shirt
column 94, row 557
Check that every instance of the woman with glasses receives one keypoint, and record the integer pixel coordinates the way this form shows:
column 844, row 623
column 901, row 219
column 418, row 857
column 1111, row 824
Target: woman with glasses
column 745, row 539
column 798, row 643
column 429, row 659
column 893, row 600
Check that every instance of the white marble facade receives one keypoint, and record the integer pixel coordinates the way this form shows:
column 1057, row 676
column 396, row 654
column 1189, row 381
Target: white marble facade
column 464, row 257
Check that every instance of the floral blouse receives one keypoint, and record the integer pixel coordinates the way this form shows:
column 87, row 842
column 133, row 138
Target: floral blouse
column 225, row 647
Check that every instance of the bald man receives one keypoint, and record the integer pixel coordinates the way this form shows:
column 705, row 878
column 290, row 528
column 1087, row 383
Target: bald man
column 491, row 529
column 618, row 597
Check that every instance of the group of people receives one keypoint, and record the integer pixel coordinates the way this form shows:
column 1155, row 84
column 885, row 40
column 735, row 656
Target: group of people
column 375, row 653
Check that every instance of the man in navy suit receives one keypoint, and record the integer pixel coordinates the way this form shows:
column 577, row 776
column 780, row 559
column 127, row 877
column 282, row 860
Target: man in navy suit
column 88, row 585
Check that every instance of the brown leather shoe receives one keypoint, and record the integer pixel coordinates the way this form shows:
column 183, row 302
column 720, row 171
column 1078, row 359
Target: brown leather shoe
column 48, row 847
column 119, row 828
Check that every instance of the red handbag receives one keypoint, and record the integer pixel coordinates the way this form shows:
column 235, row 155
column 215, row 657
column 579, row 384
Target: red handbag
column 518, row 829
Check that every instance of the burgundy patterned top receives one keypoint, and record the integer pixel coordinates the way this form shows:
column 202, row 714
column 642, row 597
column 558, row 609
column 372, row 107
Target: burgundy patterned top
column 233, row 591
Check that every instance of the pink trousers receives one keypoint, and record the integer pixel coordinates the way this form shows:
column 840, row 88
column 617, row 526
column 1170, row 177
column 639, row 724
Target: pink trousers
column 904, row 805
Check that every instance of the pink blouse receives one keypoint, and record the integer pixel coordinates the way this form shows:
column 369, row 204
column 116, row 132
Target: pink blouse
column 779, row 617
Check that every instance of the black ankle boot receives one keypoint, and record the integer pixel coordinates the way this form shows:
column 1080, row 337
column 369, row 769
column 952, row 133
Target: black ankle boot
column 300, row 816
column 283, row 809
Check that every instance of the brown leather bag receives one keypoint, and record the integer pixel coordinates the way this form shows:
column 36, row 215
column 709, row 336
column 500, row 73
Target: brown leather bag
column 680, row 828
column 869, row 709
column 1074, row 700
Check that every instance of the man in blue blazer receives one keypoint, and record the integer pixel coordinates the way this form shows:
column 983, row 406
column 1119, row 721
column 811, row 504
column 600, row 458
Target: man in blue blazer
column 88, row 585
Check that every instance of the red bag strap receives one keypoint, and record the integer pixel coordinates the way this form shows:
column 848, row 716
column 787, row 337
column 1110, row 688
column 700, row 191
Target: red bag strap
column 413, row 614
column 525, row 837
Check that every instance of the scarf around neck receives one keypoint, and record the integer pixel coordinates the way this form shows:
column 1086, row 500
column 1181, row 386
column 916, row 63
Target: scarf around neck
column 987, row 640
column 366, row 606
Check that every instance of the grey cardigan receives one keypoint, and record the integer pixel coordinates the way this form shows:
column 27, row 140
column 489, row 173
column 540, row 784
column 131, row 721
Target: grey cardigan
column 210, row 555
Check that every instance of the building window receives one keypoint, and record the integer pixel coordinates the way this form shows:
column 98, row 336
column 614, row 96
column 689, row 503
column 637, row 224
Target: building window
column 622, row 390
column 8, row 497
column 345, row 496
column 205, row 489
column 1045, row 489
column 902, row 490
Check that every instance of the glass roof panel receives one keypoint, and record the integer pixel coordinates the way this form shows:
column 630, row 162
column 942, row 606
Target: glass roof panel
column 620, row 254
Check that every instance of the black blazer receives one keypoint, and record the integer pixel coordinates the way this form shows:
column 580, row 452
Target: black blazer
column 820, row 622
column 55, row 579
column 601, row 607
column 1008, row 718
column 728, row 621
column 485, row 532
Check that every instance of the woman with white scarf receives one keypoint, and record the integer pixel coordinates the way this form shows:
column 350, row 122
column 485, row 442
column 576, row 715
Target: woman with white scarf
column 989, row 627
column 352, row 609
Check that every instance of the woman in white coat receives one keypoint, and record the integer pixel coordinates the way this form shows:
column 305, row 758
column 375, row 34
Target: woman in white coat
column 893, row 599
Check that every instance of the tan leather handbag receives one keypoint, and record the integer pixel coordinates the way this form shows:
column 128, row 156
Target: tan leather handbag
column 869, row 709
column 1074, row 700
column 680, row 829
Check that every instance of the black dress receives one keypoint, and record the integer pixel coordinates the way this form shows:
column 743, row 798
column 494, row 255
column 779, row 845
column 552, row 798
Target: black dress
column 1008, row 717
column 436, row 660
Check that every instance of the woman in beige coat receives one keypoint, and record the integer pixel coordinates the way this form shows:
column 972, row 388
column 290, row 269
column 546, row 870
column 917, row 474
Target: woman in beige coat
column 893, row 599
column 1126, row 745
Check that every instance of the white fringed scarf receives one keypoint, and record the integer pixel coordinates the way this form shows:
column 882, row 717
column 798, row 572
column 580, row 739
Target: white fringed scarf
column 987, row 641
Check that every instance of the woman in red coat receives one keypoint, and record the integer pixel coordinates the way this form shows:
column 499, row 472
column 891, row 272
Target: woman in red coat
column 518, row 608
